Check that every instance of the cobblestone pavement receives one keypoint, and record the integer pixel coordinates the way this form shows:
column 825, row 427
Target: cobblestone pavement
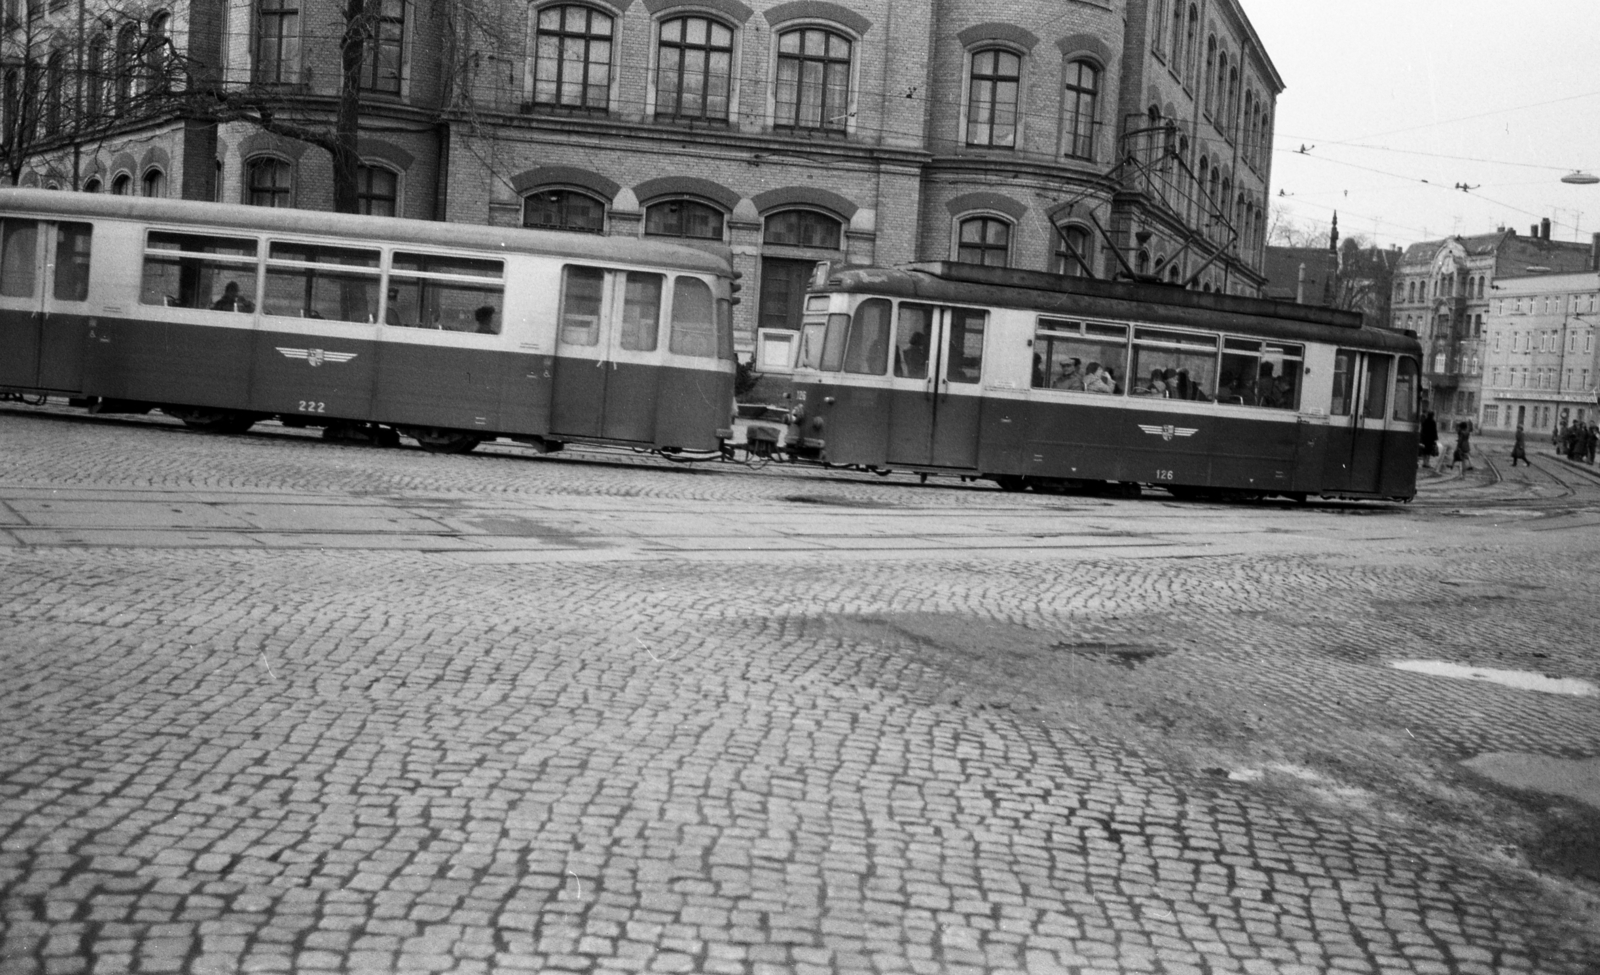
column 457, row 751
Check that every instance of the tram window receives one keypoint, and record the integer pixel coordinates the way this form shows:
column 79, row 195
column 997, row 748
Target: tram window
column 458, row 294
column 1376, row 404
column 1405, row 391
column 1344, row 374
column 641, row 311
column 19, row 245
column 1256, row 373
column 197, row 270
column 965, row 349
column 694, row 326
column 1185, row 363
column 1064, row 351
column 868, row 351
column 72, row 261
column 580, row 305
column 312, row 281
column 911, row 341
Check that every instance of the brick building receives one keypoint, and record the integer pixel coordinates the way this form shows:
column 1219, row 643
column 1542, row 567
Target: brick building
column 1443, row 290
column 1099, row 137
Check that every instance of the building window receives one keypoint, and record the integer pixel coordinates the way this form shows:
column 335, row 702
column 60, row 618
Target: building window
column 1191, row 45
column 122, row 68
column 695, row 71
column 377, row 191
column 154, row 184
column 564, row 210
column 92, row 185
column 984, row 240
column 813, row 89
column 1074, row 252
column 122, row 185
column 683, row 218
column 268, row 182
column 380, row 56
column 277, row 42
column 54, row 82
column 803, row 228
column 572, row 58
column 156, row 53
column 1083, row 88
column 94, row 68
column 1211, row 75
column 992, row 99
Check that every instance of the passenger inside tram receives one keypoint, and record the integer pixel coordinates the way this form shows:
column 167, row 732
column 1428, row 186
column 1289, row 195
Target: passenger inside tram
column 1098, row 380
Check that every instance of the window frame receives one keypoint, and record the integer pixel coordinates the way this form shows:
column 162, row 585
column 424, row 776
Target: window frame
column 990, row 105
column 252, row 165
column 958, row 244
column 562, row 37
column 388, row 33
column 709, row 49
column 1076, row 143
column 283, row 66
column 565, row 225
column 365, row 194
column 830, row 118
column 686, row 202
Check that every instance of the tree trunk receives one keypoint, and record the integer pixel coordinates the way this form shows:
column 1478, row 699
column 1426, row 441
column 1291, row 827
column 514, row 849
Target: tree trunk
column 347, row 122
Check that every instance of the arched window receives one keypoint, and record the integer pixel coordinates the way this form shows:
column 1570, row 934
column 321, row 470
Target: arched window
column 563, row 209
column 1141, row 263
column 803, row 228
column 381, row 55
column 54, row 81
column 122, row 68
column 694, row 72
column 1158, row 27
column 1074, row 252
column 813, row 90
column 268, row 182
column 92, row 185
column 1202, row 181
column 992, row 99
column 1232, row 114
column 1177, row 37
column 122, row 185
column 1191, row 45
column 377, row 191
column 1480, row 288
column 683, row 218
column 277, row 42
column 984, row 240
column 154, row 184
column 1081, row 107
column 94, row 68
column 572, row 58
column 156, row 53
column 1211, row 75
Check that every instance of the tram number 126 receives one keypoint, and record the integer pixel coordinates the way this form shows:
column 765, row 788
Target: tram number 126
column 1165, row 475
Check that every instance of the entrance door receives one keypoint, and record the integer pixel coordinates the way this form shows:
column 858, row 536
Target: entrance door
column 607, row 369
column 1358, row 418
column 44, row 287
column 935, row 403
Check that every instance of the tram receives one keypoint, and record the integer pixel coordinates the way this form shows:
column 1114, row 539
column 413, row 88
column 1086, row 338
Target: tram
column 1053, row 383
column 448, row 333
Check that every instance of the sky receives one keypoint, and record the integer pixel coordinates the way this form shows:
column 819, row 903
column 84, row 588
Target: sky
column 1383, row 95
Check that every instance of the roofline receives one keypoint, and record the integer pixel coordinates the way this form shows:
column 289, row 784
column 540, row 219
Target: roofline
column 1565, row 277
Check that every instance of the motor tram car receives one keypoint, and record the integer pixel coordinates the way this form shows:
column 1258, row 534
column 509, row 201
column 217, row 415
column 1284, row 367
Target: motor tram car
column 1048, row 382
column 451, row 334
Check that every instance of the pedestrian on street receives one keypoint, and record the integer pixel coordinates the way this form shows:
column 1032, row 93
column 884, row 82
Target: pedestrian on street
column 1519, row 448
column 1428, row 440
column 1590, row 442
column 1556, row 434
column 1463, row 453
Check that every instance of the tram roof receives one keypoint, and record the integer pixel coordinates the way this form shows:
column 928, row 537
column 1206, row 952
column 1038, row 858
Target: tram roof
column 223, row 217
column 973, row 284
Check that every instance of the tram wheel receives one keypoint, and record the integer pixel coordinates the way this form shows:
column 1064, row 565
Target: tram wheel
column 211, row 421
column 1013, row 483
column 437, row 440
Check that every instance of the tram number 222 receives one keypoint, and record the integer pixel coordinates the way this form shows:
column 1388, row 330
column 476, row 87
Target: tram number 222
column 313, row 406
column 1165, row 475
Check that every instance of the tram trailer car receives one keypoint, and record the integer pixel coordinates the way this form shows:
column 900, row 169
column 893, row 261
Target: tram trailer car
column 452, row 334
column 957, row 369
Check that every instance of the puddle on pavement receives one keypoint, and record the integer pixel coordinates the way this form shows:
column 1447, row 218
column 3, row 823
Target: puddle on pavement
column 1525, row 680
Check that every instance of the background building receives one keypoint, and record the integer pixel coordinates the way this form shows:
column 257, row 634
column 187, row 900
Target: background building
column 1443, row 290
column 1542, row 364
column 1094, row 137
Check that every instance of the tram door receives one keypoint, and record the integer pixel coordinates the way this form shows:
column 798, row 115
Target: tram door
column 935, row 405
column 607, row 351
column 44, row 287
column 1358, row 419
